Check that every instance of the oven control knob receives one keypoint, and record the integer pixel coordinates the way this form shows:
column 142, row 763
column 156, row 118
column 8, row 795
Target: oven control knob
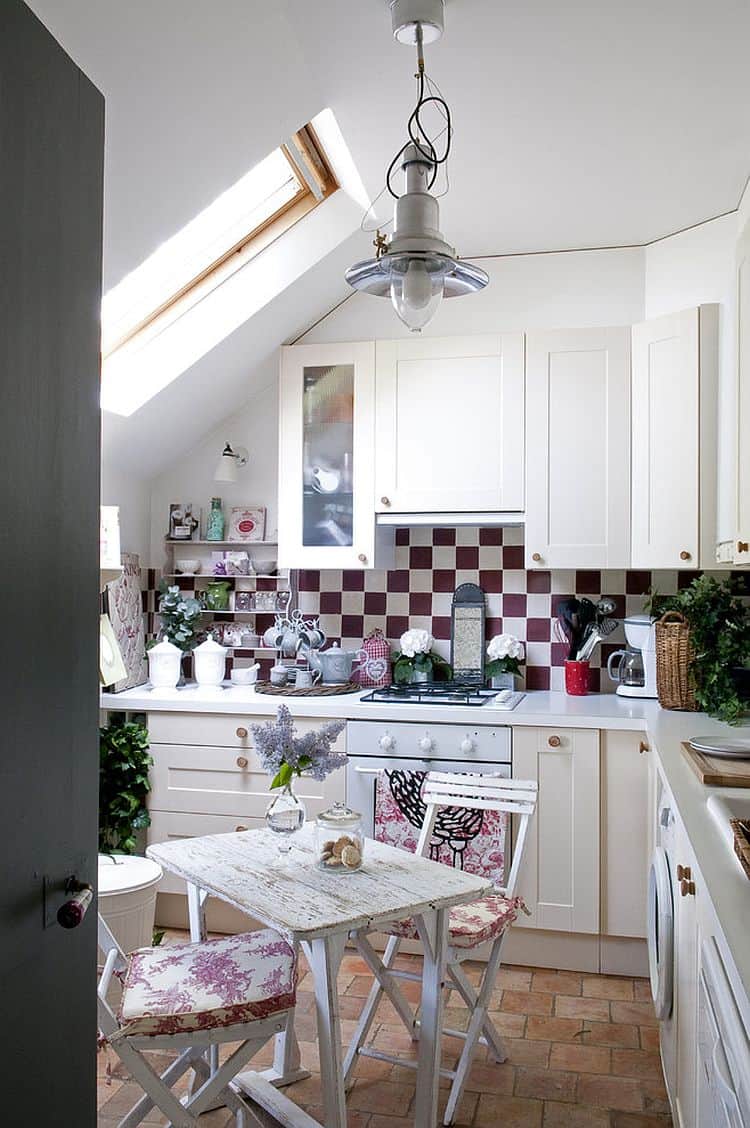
column 386, row 742
column 467, row 745
column 426, row 744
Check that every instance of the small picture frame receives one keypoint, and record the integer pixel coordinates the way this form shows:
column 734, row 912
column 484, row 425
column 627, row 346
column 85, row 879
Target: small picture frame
column 247, row 523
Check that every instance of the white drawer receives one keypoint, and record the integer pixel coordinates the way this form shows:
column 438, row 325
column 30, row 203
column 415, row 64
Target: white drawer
column 230, row 730
column 226, row 781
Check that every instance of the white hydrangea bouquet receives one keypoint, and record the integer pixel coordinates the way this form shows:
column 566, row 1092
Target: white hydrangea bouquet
column 505, row 653
column 416, row 660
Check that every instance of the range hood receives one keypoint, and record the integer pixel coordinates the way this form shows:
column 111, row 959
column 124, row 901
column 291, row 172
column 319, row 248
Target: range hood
column 482, row 520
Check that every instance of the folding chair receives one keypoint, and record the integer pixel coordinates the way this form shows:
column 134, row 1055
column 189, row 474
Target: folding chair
column 453, row 805
column 191, row 998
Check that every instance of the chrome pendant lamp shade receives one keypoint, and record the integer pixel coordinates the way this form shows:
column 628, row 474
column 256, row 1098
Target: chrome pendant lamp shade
column 417, row 268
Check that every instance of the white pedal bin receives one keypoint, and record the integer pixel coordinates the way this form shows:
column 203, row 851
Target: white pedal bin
column 127, row 898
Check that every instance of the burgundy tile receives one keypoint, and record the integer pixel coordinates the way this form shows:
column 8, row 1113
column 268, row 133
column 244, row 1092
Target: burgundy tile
column 420, row 603
column 151, row 581
column 330, row 603
column 619, row 611
column 490, row 536
column 353, row 581
column 420, row 556
column 352, row 626
column 269, row 583
column 441, row 626
column 144, row 601
column 594, row 679
column 588, row 582
column 685, row 579
column 443, row 579
column 308, row 580
column 398, row 580
column 375, row 603
column 514, row 606
column 491, row 581
column 184, row 583
column 513, row 556
column 537, row 677
column 559, row 653
column 467, row 556
column 539, row 583
column 493, row 626
column 444, row 536
column 395, row 625
column 637, row 583
column 557, row 600
column 402, row 536
column 537, row 630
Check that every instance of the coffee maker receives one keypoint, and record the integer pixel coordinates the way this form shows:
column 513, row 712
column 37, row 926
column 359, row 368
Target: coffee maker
column 634, row 669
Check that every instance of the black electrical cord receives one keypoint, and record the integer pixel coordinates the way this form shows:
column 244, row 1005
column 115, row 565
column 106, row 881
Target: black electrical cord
column 418, row 134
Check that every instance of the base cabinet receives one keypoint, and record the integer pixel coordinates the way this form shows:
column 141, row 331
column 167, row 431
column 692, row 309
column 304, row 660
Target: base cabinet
column 626, row 833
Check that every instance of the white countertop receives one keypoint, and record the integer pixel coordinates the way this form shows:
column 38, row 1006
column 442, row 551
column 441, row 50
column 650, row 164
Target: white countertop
column 720, row 872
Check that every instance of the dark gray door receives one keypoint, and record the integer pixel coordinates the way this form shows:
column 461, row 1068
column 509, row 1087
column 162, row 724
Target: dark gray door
column 51, row 156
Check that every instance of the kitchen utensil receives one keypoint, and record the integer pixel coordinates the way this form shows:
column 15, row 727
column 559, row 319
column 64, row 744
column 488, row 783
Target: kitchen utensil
column 563, row 633
column 164, row 663
column 325, row 481
column 738, row 747
column 594, row 635
column 335, row 665
column 244, row 675
column 605, row 607
column 217, row 595
column 576, row 678
column 569, row 613
column 306, row 678
column 626, row 667
column 714, row 771
column 586, row 613
column 278, row 674
column 187, row 566
column 209, row 662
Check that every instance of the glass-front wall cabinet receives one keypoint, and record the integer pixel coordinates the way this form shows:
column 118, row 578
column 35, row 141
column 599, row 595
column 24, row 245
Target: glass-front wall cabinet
column 326, row 456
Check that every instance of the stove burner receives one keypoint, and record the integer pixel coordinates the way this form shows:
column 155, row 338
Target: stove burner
column 433, row 693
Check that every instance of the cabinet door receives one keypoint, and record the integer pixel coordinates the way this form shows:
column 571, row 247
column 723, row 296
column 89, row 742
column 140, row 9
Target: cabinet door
column 626, row 833
column 674, row 440
column 560, row 877
column 578, row 449
column 326, row 428
column 449, row 433
column 742, row 542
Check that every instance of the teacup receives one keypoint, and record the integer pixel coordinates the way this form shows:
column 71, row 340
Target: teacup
column 306, row 679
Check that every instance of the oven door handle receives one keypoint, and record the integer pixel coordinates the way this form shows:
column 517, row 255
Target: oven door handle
column 376, row 771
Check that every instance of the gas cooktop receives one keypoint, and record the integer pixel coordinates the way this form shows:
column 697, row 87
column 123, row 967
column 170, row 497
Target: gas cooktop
column 444, row 693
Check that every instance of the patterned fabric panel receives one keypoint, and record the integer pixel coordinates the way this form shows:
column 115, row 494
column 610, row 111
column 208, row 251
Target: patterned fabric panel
column 222, row 982
column 469, row 925
column 465, row 838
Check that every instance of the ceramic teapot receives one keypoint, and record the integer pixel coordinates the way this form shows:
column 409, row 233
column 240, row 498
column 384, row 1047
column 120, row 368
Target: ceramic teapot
column 335, row 665
column 209, row 660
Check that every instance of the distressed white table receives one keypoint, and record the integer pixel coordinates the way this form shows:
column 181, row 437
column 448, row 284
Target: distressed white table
column 316, row 911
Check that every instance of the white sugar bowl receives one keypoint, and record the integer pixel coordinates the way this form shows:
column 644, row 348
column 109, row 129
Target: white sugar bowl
column 209, row 662
column 164, row 661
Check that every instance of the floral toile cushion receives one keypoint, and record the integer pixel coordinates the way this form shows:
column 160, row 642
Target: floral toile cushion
column 469, row 925
column 188, row 987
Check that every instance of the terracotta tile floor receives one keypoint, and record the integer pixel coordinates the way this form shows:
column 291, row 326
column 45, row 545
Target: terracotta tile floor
column 582, row 1053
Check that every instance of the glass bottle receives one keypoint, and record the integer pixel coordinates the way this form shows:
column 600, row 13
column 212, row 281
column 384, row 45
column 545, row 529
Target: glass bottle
column 339, row 839
column 215, row 522
column 285, row 815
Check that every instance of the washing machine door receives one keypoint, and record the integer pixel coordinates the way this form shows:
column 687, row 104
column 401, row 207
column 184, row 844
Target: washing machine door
column 660, row 935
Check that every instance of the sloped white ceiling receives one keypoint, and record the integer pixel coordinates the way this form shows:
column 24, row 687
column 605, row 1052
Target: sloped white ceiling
column 580, row 124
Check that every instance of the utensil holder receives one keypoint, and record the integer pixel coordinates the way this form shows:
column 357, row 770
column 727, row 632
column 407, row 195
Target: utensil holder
column 576, row 678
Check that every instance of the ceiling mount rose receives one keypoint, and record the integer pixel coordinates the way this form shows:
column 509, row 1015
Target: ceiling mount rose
column 417, row 267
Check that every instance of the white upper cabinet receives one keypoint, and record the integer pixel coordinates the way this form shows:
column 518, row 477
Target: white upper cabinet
column 578, row 448
column 326, row 439
column 741, row 552
column 449, row 424
column 674, row 440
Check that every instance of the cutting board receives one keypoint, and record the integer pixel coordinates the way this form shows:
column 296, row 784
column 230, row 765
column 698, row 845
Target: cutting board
column 715, row 772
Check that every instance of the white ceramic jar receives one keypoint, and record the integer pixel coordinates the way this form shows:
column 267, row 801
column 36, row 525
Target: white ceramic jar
column 209, row 661
column 164, row 665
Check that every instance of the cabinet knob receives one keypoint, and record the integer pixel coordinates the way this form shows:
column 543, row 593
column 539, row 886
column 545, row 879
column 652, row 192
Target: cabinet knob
column 386, row 742
column 554, row 742
column 385, row 501
column 643, row 747
column 362, row 558
column 242, row 761
column 426, row 744
column 684, row 555
column 683, row 874
column 743, row 546
column 687, row 888
column 241, row 826
column 242, row 733
column 536, row 557
column 467, row 745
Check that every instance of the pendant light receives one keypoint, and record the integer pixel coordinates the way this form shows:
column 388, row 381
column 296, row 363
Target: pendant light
column 417, row 268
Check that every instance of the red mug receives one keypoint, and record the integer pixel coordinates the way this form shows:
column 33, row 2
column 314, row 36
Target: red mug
column 576, row 678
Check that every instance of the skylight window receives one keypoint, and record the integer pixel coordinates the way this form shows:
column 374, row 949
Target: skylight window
column 205, row 254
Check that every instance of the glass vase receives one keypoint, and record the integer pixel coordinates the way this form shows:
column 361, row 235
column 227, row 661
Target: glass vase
column 215, row 521
column 285, row 815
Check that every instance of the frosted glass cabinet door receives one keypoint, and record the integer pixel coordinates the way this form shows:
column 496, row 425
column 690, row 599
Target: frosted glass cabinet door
column 578, row 448
column 449, row 431
column 326, row 419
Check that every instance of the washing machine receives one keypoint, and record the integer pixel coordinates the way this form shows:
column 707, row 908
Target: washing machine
column 661, row 931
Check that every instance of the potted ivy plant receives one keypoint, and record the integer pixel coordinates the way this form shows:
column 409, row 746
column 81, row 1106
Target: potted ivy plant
column 417, row 662
column 124, row 761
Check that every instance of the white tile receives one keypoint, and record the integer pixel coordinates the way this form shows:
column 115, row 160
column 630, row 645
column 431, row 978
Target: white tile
column 538, row 653
column 420, row 623
column 309, row 602
column 563, row 582
column 557, row 679
column 665, row 582
column 420, row 534
column 515, row 627
column 467, row 576
column 490, row 557
column 441, row 602
column 375, row 580
column 466, row 534
column 331, row 579
column 373, row 623
column 331, row 624
column 513, row 534
column 538, row 606
column 402, row 556
column 420, row 579
column 444, row 556
column 352, row 602
column 442, row 646
column 397, row 603
column 514, row 581
column 494, row 605
column 613, row 581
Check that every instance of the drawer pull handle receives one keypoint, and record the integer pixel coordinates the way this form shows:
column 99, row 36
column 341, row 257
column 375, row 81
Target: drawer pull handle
column 536, row 557
column 643, row 747
column 687, row 888
column 684, row 555
column 362, row 558
column 554, row 742
column 242, row 761
column 242, row 733
column 241, row 826
column 385, row 501
column 683, row 874
column 743, row 546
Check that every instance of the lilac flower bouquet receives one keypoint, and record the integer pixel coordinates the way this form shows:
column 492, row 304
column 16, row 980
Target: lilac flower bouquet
column 284, row 755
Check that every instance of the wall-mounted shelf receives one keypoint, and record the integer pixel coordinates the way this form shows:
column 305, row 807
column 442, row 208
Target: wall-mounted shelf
column 222, row 544
column 209, row 576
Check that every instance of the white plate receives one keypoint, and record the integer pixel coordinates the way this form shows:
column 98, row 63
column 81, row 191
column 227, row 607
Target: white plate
column 727, row 749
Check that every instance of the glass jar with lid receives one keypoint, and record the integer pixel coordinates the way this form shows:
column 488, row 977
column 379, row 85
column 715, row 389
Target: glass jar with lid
column 339, row 840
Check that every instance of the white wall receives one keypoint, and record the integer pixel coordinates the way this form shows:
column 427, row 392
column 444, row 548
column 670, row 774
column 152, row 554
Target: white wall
column 255, row 426
column 133, row 496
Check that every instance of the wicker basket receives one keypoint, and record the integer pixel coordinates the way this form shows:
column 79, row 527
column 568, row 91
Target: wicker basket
column 741, row 843
column 675, row 682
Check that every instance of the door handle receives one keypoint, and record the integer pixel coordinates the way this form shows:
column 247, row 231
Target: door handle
column 73, row 911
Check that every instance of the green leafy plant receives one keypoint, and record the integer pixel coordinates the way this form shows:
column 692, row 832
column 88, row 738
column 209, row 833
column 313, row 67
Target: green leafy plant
column 720, row 633
column 124, row 761
column 180, row 616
